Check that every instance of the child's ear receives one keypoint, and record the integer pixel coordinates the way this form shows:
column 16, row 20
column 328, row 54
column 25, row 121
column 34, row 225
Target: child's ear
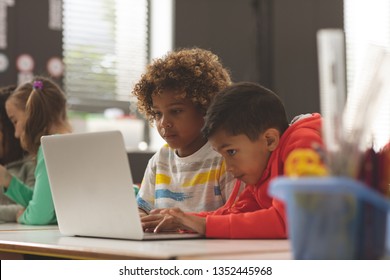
column 272, row 137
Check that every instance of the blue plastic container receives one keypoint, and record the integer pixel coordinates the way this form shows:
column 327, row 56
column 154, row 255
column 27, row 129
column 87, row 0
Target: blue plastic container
column 388, row 236
column 333, row 217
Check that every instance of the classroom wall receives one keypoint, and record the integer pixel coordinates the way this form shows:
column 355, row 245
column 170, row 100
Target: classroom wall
column 227, row 28
column 295, row 67
column 32, row 40
column 272, row 42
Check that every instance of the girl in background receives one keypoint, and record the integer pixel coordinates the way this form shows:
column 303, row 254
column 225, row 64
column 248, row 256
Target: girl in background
column 13, row 158
column 35, row 109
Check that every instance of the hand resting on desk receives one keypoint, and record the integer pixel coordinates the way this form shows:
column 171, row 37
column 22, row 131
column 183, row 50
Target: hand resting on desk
column 20, row 213
column 142, row 213
column 5, row 177
column 172, row 219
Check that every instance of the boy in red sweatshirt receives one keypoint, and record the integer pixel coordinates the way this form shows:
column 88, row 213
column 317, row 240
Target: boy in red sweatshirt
column 247, row 124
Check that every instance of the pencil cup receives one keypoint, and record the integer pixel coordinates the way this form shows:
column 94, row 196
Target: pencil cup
column 333, row 217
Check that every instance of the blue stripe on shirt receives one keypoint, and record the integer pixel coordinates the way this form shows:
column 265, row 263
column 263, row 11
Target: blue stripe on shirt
column 143, row 204
column 172, row 195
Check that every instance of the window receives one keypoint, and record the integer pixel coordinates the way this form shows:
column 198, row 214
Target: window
column 367, row 22
column 106, row 50
column 107, row 44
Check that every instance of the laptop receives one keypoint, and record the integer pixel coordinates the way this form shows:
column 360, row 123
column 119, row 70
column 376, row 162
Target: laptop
column 92, row 187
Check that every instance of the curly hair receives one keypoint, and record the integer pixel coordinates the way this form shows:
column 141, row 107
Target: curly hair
column 197, row 72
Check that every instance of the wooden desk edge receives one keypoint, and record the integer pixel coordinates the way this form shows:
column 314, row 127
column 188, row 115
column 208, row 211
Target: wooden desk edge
column 54, row 252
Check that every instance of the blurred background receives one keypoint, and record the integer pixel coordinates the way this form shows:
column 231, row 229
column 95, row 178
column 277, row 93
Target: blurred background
column 97, row 50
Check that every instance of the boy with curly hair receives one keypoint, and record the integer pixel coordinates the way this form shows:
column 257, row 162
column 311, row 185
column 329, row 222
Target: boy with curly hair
column 174, row 94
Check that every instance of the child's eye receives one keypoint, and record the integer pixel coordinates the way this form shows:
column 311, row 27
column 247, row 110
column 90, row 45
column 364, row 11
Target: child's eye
column 231, row 152
column 177, row 111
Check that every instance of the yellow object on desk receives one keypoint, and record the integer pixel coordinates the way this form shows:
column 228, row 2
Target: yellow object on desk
column 304, row 162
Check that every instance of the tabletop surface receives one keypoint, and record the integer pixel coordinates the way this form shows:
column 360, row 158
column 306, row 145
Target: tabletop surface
column 48, row 241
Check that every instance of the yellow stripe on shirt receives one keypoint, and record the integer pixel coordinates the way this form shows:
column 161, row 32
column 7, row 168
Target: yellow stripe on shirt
column 201, row 178
column 162, row 179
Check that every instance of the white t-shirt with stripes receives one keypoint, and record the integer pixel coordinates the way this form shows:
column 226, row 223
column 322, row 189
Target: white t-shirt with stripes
column 195, row 183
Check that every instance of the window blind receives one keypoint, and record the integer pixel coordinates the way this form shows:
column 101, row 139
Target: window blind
column 105, row 49
column 367, row 22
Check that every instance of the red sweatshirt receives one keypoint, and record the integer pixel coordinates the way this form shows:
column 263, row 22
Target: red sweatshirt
column 254, row 214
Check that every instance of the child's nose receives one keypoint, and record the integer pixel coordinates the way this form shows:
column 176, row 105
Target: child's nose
column 165, row 122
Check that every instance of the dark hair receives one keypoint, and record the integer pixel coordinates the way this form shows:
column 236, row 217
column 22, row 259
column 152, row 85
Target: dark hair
column 245, row 108
column 45, row 105
column 199, row 73
column 11, row 146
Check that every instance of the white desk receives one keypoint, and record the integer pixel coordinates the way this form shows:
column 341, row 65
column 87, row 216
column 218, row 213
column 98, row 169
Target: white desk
column 17, row 227
column 50, row 243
